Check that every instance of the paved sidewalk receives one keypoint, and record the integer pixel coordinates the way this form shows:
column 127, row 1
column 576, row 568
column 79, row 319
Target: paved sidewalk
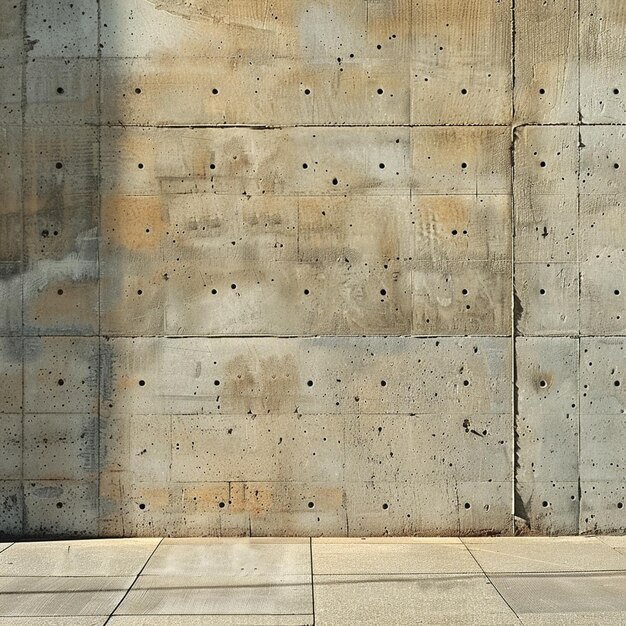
column 158, row 582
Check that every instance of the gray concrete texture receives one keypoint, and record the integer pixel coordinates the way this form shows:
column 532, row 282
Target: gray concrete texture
column 312, row 267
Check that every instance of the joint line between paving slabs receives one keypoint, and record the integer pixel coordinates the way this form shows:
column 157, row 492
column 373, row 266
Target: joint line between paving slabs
column 117, row 606
column 490, row 581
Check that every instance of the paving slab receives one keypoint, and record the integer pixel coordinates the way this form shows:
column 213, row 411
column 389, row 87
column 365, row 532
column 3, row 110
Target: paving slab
column 246, row 593
column 91, row 620
column 573, row 619
column 89, row 557
column 210, row 620
column 371, row 557
column 544, row 554
column 615, row 542
column 237, row 557
column 43, row 596
column 564, row 593
column 409, row 599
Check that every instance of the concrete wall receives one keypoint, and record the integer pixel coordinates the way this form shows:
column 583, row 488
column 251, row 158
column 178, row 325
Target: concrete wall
column 327, row 267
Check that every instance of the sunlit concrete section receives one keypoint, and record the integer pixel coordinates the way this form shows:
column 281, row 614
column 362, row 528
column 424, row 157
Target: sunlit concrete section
column 310, row 268
column 259, row 581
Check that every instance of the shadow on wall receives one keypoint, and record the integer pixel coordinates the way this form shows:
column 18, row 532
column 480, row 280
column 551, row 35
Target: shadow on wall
column 233, row 316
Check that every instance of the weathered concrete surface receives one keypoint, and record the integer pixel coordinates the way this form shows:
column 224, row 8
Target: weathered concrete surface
column 312, row 267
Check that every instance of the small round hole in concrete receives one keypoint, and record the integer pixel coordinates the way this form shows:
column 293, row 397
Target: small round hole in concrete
column 61, row 382
column 142, row 383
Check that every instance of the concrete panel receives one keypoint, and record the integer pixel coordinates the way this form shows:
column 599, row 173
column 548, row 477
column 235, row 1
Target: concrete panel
column 62, row 29
column 62, row 91
column 11, row 447
column 462, row 298
column 11, row 365
column 398, row 508
column 60, row 508
column 260, row 448
column 602, row 223
column 462, row 228
column 61, row 374
column 235, row 376
column 12, row 500
column 60, row 447
column 602, row 62
column 10, row 89
column 601, row 439
column 263, row 267
column 546, row 507
column 138, row 444
column 11, row 193
column 60, row 226
column 601, row 160
column 603, row 281
column 178, row 160
column 11, row 40
column 264, row 92
column 461, row 160
column 11, row 248
column 547, row 405
column 546, row 62
column 462, row 55
column 546, row 160
column 602, row 375
column 418, row 449
column 602, row 507
column 286, row 29
column 548, row 298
